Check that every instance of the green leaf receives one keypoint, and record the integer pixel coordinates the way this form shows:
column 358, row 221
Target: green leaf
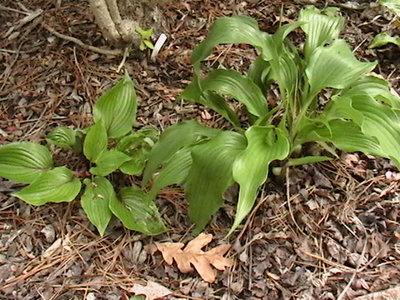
column 148, row 44
column 24, row 161
column 393, row 5
column 381, row 122
column 134, row 166
column 250, row 169
column 332, row 131
column 174, row 171
column 335, row 66
column 137, row 211
column 229, row 30
column 95, row 202
column 307, row 160
column 109, row 161
column 275, row 45
column 137, row 145
column 374, row 87
column 137, row 297
column 65, row 138
column 173, row 139
column 258, row 73
column 142, row 140
column 382, row 39
column 319, row 28
column 144, row 34
column 57, row 185
column 239, row 87
column 211, row 100
column 285, row 72
column 374, row 127
column 95, row 142
column 210, row 175
column 117, row 108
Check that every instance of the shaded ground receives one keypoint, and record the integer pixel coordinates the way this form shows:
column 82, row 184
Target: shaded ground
column 333, row 234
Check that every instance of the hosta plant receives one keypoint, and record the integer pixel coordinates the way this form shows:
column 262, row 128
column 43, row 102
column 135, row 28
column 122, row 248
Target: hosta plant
column 327, row 97
column 111, row 149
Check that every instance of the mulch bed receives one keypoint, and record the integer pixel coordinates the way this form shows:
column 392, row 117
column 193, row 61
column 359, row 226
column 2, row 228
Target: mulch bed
column 330, row 232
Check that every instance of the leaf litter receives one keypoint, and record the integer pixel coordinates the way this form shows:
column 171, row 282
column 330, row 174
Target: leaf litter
column 152, row 290
column 192, row 256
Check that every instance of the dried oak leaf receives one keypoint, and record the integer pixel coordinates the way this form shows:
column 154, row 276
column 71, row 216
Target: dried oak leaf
column 152, row 290
column 193, row 255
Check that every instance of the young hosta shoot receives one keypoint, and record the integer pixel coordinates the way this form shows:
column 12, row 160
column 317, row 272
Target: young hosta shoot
column 360, row 115
column 66, row 138
column 114, row 116
column 383, row 38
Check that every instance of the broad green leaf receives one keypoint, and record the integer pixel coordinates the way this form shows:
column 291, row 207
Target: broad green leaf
column 117, row 108
column 173, row 139
column 374, row 87
column 108, row 161
column 99, row 192
column 319, row 28
column 229, row 30
column 307, row 160
column 250, row 169
column 393, row 5
column 354, row 139
column 381, row 122
column 24, row 161
column 332, row 131
column 335, row 66
column 134, row 166
column 137, row 211
column 210, row 175
column 57, row 185
column 375, row 119
column 211, row 100
column 95, row 141
column 174, row 171
column 65, row 138
column 382, row 39
column 239, row 87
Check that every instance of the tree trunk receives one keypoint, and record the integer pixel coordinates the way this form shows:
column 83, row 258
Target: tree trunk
column 115, row 30
column 121, row 30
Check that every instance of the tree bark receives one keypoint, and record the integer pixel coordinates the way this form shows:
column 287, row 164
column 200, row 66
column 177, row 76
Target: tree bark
column 115, row 30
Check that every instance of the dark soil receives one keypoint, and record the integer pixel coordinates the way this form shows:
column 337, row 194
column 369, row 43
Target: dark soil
column 332, row 234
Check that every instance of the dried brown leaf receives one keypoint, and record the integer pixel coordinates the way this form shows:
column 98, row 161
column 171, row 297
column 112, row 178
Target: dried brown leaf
column 192, row 255
column 152, row 290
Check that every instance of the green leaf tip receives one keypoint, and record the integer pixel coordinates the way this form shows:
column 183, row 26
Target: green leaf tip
column 95, row 202
column 57, row 185
column 137, row 211
column 117, row 108
column 24, row 161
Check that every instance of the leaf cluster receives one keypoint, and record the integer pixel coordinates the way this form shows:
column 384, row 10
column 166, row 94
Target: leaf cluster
column 327, row 97
column 145, row 36
column 114, row 115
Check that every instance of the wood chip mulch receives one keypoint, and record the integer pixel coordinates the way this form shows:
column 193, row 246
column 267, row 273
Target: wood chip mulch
column 331, row 232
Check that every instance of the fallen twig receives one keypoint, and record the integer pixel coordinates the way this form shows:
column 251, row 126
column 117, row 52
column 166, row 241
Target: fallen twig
column 78, row 42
